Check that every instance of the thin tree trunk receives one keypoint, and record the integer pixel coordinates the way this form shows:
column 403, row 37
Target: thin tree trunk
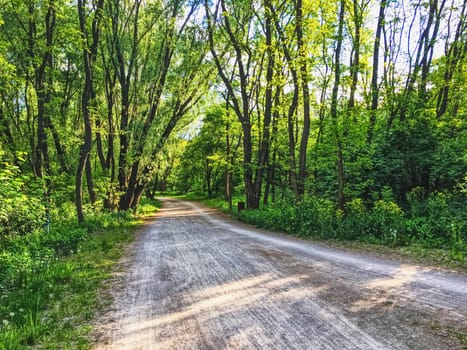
column 355, row 61
column 292, row 121
column 306, row 103
column 99, row 147
column 89, row 57
column 58, row 145
column 90, row 182
column 454, row 54
column 374, row 74
column 334, row 114
column 228, row 169
column 270, row 180
column 268, row 105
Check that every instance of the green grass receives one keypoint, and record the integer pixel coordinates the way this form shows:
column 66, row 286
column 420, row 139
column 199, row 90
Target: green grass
column 148, row 207
column 51, row 286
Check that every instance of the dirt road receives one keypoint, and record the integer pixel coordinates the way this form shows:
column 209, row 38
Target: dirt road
column 195, row 281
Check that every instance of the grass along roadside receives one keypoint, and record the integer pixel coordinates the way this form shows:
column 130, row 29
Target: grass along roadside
column 51, row 284
column 411, row 251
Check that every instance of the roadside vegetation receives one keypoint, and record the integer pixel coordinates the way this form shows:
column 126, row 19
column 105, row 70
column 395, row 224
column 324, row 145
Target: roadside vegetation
column 330, row 119
column 52, row 268
column 437, row 222
column 428, row 231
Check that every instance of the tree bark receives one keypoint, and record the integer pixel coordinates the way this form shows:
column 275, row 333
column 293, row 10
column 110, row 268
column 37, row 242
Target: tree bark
column 334, row 112
column 89, row 58
column 306, row 103
column 374, row 73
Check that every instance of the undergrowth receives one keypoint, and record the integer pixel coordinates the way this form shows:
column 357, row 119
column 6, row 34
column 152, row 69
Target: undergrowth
column 429, row 228
column 50, row 282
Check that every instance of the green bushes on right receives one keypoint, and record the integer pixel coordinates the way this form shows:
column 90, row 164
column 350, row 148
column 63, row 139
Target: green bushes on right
column 439, row 221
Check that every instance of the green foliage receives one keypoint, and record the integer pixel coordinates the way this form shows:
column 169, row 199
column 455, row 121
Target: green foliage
column 148, row 206
column 21, row 210
column 439, row 222
column 273, row 217
column 49, row 281
column 204, row 161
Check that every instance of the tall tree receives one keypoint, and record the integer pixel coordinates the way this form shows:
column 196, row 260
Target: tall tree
column 90, row 47
column 334, row 105
column 306, row 100
column 236, row 22
column 375, row 71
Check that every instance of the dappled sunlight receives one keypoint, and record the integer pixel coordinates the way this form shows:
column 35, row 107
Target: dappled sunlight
column 210, row 303
column 402, row 276
column 176, row 209
column 176, row 212
column 226, row 306
column 226, row 297
column 387, row 287
column 232, row 287
column 201, row 283
column 241, row 340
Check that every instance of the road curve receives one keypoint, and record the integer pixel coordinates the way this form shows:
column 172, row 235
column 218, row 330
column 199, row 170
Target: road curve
column 195, row 281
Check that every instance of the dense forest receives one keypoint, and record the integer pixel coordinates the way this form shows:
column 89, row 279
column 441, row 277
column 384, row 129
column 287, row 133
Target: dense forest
column 333, row 110
column 337, row 119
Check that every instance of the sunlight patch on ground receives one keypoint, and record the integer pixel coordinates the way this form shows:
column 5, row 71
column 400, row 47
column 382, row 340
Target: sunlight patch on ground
column 387, row 288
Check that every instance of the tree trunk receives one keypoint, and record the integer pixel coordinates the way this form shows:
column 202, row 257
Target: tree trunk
column 355, row 60
column 90, row 182
column 306, row 103
column 374, row 74
column 89, row 57
column 334, row 113
column 58, row 145
column 228, row 170
column 270, row 179
column 263, row 153
column 454, row 54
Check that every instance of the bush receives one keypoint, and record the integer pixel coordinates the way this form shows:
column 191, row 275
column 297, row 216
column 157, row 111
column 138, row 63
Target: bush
column 279, row 217
column 21, row 210
column 387, row 222
column 47, row 278
column 440, row 221
column 316, row 217
column 433, row 220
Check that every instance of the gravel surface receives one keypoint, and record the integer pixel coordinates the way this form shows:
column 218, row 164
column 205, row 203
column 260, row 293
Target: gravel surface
column 195, row 280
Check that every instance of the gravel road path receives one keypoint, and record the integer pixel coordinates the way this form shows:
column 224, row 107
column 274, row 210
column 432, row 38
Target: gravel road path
column 197, row 281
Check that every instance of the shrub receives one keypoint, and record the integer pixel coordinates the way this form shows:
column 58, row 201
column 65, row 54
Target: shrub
column 316, row 217
column 387, row 220
column 431, row 220
column 46, row 278
column 354, row 223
